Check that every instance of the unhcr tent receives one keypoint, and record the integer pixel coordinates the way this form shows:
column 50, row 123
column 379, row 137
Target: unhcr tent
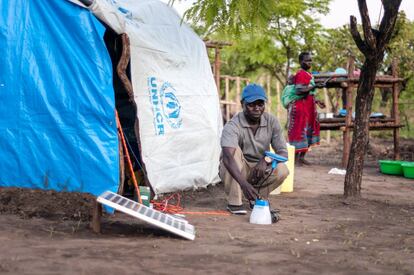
column 57, row 117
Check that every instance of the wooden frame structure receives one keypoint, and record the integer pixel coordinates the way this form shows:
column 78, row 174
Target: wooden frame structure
column 227, row 103
column 217, row 46
column 348, row 82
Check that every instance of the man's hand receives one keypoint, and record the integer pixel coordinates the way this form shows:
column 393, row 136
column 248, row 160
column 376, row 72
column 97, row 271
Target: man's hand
column 249, row 191
column 258, row 172
column 320, row 104
column 228, row 159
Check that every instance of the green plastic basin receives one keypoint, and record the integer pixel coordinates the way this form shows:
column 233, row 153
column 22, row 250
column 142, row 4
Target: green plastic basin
column 391, row 167
column 408, row 169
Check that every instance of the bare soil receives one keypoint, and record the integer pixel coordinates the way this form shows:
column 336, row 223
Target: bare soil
column 45, row 232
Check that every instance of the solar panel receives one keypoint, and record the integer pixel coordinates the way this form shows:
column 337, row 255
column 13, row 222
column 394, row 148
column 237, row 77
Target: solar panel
column 167, row 222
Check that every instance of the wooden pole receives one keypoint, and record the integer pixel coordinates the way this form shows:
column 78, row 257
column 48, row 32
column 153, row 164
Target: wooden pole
column 96, row 217
column 226, row 96
column 329, row 109
column 121, row 165
column 121, row 68
column 238, row 105
column 269, row 93
column 217, row 68
column 278, row 99
column 261, row 80
column 376, row 125
column 348, row 118
column 395, row 111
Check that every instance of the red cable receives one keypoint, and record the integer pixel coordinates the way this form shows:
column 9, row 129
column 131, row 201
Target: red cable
column 167, row 205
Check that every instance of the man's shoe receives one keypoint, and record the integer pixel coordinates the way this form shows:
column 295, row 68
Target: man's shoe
column 274, row 213
column 236, row 209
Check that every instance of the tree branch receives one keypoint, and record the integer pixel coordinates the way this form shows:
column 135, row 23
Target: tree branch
column 370, row 39
column 356, row 36
column 388, row 21
column 391, row 4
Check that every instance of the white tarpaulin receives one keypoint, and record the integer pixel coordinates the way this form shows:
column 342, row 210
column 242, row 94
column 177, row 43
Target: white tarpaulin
column 178, row 106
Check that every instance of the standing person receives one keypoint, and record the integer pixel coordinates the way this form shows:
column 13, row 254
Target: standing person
column 244, row 169
column 303, row 124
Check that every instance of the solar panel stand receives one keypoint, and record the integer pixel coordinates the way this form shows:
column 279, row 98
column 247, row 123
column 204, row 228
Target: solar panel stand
column 96, row 217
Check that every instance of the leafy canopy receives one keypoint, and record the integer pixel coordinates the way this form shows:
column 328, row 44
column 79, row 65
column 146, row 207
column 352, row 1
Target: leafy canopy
column 267, row 34
column 236, row 16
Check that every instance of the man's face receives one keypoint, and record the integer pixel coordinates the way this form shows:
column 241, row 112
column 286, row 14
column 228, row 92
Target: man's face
column 306, row 63
column 253, row 111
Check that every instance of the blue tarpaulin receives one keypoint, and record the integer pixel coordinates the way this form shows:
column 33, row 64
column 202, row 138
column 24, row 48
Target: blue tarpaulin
column 57, row 121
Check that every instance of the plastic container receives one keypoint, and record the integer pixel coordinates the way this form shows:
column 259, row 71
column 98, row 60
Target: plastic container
column 408, row 169
column 391, row 167
column 145, row 193
column 261, row 213
column 287, row 185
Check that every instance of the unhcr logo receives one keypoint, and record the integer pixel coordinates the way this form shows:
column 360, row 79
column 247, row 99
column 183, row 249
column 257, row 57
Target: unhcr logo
column 126, row 12
column 165, row 106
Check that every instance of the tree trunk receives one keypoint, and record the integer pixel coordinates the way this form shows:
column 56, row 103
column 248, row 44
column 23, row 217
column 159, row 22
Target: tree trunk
column 373, row 47
column 360, row 140
column 287, row 69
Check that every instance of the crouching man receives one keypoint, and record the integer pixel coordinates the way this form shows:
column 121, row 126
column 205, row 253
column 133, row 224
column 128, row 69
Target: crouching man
column 244, row 168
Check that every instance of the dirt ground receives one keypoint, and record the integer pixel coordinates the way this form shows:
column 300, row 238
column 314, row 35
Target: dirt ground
column 45, row 232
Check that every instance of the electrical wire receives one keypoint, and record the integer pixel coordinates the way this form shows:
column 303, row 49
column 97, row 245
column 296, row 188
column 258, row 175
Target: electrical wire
column 263, row 180
column 172, row 205
column 135, row 157
column 134, row 180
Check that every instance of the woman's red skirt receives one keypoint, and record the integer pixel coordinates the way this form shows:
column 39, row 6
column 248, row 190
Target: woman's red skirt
column 303, row 124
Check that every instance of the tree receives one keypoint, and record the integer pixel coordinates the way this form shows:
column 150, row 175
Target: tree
column 334, row 48
column 401, row 47
column 252, row 53
column 373, row 48
column 331, row 52
column 286, row 24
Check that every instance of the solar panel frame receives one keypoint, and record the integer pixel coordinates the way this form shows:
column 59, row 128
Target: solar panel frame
column 178, row 226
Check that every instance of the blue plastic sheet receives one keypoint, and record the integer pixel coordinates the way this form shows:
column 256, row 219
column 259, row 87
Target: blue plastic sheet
column 57, row 121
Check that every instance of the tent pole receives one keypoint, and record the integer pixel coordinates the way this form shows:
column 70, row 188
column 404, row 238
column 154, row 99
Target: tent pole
column 123, row 65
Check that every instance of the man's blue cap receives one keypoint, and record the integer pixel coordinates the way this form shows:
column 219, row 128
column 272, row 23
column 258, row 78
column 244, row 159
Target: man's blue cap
column 253, row 92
